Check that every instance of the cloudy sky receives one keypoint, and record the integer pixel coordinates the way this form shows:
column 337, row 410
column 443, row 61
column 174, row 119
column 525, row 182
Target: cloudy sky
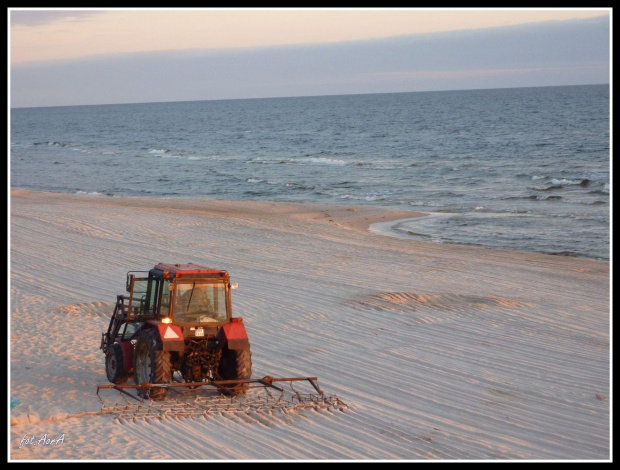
column 73, row 57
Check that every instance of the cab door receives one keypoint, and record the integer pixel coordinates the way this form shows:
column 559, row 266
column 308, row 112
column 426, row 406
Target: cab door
column 138, row 297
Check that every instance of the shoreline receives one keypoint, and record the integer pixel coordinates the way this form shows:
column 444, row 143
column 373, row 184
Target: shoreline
column 353, row 217
column 376, row 220
column 392, row 228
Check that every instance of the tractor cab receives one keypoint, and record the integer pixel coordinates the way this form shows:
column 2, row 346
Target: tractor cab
column 182, row 294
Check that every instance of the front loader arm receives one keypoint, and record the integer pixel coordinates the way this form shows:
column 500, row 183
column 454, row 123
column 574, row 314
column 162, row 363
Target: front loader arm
column 118, row 318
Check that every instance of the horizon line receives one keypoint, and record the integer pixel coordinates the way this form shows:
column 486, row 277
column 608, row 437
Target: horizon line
column 311, row 96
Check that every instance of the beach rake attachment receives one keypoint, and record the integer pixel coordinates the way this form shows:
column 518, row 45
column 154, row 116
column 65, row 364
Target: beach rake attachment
column 196, row 399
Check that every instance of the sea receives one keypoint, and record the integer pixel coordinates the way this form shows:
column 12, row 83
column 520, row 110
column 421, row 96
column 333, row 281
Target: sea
column 523, row 169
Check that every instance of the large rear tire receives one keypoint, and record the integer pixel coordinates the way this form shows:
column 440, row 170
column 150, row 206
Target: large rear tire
column 236, row 364
column 151, row 365
column 114, row 368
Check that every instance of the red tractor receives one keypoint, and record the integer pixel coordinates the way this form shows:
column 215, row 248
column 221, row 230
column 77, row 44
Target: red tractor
column 176, row 323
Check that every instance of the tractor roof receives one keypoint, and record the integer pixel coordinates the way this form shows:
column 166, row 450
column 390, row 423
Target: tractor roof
column 188, row 270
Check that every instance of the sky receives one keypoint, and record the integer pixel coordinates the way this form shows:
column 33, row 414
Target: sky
column 75, row 57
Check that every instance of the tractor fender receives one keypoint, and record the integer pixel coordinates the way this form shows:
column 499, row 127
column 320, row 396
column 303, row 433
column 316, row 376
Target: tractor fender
column 127, row 349
column 234, row 336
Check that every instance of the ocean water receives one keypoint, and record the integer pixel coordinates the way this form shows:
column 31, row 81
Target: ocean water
column 523, row 168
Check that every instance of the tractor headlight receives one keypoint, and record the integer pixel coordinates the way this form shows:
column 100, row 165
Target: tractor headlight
column 166, row 320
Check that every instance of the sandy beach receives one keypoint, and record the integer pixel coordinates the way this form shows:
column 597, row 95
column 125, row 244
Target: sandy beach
column 441, row 351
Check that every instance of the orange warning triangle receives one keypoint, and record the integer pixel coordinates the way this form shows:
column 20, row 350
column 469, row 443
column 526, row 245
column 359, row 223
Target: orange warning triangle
column 170, row 334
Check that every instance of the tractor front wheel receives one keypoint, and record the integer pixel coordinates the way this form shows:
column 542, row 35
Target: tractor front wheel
column 114, row 364
column 151, row 364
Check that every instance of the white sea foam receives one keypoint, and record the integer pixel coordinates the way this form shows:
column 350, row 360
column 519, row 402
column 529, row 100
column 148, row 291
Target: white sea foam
column 565, row 181
column 272, row 182
column 327, row 161
column 424, row 203
column 369, row 197
column 304, row 161
column 91, row 193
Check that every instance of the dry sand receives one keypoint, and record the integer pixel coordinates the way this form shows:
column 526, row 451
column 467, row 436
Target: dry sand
column 441, row 352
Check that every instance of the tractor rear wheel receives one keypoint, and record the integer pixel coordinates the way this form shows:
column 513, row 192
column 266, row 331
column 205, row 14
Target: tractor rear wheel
column 236, row 364
column 151, row 364
column 114, row 368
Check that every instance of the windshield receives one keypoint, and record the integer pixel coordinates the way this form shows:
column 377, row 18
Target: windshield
column 200, row 302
